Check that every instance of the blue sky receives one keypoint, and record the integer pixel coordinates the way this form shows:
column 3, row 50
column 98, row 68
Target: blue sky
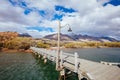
column 40, row 17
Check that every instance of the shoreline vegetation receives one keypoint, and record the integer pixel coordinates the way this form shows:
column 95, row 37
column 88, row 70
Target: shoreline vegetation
column 14, row 50
column 93, row 45
column 77, row 45
column 85, row 45
column 11, row 42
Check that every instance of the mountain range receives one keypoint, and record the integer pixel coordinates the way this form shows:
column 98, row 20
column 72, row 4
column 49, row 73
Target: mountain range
column 79, row 37
column 24, row 35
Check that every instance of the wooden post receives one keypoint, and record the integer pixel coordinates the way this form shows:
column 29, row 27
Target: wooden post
column 39, row 56
column 61, row 60
column 62, row 73
column 44, row 56
column 36, row 53
column 58, row 48
column 80, row 75
column 76, row 62
column 45, row 61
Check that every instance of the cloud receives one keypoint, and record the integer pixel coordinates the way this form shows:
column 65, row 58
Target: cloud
column 9, row 26
column 100, row 21
column 42, row 4
column 10, row 14
column 13, row 18
column 16, row 15
column 113, row 2
column 37, row 34
column 103, row 1
column 87, row 17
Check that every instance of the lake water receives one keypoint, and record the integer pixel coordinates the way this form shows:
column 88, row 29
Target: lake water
column 24, row 66
column 97, row 54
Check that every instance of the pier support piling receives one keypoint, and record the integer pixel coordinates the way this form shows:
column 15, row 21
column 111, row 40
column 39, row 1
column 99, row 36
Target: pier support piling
column 61, row 59
column 76, row 62
column 39, row 56
column 62, row 73
column 45, row 61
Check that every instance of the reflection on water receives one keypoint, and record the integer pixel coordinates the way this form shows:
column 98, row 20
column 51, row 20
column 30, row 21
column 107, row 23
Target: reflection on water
column 97, row 54
column 22, row 66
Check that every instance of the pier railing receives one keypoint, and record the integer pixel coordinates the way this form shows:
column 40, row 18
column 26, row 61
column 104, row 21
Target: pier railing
column 84, row 68
column 65, row 58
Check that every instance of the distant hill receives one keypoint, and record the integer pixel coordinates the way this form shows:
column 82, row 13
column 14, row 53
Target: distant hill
column 63, row 37
column 24, row 35
column 82, row 38
column 86, row 38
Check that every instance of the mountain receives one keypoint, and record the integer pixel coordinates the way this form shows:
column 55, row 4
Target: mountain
column 79, row 37
column 63, row 37
column 109, row 38
column 83, row 38
column 24, row 35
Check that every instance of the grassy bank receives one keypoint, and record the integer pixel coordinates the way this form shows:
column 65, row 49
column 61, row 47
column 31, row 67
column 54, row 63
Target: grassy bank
column 92, row 44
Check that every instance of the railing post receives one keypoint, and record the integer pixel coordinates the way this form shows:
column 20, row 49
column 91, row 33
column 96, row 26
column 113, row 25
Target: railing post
column 61, row 60
column 76, row 62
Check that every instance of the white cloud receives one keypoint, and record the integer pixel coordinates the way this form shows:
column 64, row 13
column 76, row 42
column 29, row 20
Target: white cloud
column 10, row 14
column 37, row 34
column 13, row 18
column 103, row 1
column 100, row 21
column 91, row 17
column 42, row 4
column 9, row 26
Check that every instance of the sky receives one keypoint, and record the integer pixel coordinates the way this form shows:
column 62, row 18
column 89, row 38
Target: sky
column 40, row 17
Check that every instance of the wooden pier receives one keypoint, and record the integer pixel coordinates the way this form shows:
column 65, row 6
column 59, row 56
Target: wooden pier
column 84, row 68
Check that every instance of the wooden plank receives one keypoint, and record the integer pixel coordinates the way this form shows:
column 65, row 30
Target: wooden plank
column 93, row 70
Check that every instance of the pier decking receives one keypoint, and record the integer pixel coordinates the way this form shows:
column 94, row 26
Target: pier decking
column 84, row 68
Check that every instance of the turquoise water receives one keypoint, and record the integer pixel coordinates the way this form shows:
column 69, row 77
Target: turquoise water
column 97, row 54
column 27, row 66
column 24, row 66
